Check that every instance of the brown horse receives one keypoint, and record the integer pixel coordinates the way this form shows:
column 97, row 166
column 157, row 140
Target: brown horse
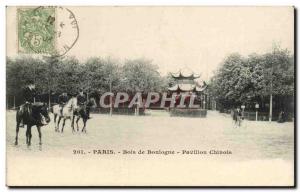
column 82, row 112
column 32, row 115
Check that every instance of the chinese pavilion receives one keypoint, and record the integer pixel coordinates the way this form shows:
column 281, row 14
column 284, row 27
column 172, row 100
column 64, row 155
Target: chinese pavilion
column 185, row 82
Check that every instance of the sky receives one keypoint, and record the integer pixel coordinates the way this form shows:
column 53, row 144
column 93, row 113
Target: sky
column 198, row 38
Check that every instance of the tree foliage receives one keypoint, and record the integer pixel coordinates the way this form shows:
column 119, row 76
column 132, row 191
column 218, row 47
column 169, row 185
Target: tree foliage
column 253, row 78
column 141, row 75
column 57, row 75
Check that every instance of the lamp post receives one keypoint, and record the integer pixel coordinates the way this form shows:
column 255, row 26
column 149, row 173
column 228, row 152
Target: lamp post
column 271, row 84
column 14, row 102
column 256, row 113
column 243, row 109
column 271, row 98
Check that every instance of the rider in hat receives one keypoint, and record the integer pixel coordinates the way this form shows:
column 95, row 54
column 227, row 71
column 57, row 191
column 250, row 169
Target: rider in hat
column 82, row 102
column 29, row 93
column 81, row 99
column 62, row 100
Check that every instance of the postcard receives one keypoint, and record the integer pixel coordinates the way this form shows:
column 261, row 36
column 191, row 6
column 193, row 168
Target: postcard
column 143, row 96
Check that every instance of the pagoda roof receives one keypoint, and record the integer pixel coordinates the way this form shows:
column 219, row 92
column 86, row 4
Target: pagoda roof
column 185, row 73
column 187, row 87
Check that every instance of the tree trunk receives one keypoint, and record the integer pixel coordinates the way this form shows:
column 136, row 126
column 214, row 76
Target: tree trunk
column 14, row 102
column 138, row 109
column 271, row 107
column 49, row 102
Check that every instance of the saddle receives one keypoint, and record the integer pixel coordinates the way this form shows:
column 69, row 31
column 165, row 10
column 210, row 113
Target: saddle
column 80, row 108
column 30, row 111
column 61, row 105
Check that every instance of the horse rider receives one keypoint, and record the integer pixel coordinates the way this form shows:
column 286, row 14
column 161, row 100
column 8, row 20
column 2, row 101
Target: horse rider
column 239, row 112
column 62, row 100
column 236, row 113
column 82, row 103
column 29, row 93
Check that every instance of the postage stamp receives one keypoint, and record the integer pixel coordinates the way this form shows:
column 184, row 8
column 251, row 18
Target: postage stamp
column 46, row 30
column 36, row 30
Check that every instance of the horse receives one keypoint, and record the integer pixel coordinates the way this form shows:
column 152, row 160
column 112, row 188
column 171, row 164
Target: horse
column 66, row 113
column 82, row 112
column 37, row 115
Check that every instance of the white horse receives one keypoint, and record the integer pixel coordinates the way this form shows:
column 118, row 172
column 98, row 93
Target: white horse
column 66, row 113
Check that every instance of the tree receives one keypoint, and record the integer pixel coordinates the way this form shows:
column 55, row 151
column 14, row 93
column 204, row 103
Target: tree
column 19, row 72
column 141, row 75
column 253, row 78
column 68, row 76
column 228, row 83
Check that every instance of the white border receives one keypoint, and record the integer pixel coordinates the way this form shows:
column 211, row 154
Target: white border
column 5, row 3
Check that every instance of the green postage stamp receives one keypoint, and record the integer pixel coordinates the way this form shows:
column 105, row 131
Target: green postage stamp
column 36, row 30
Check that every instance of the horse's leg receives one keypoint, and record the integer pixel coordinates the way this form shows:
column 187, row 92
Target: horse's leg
column 84, row 124
column 40, row 134
column 55, row 116
column 17, row 132
column 72, row 123
column 27, row 134
column 30, row 135
column 58, row 122
column 63, row 125
column 77, row 122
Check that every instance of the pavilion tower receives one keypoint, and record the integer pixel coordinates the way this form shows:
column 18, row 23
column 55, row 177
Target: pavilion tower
column 185, row 82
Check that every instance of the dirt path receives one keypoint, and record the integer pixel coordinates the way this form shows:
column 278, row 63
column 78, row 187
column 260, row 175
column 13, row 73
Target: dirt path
column 258, row 149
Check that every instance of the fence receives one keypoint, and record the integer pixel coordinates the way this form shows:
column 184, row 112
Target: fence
column 264, row 116
column 188, row 112
column 119, row 111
